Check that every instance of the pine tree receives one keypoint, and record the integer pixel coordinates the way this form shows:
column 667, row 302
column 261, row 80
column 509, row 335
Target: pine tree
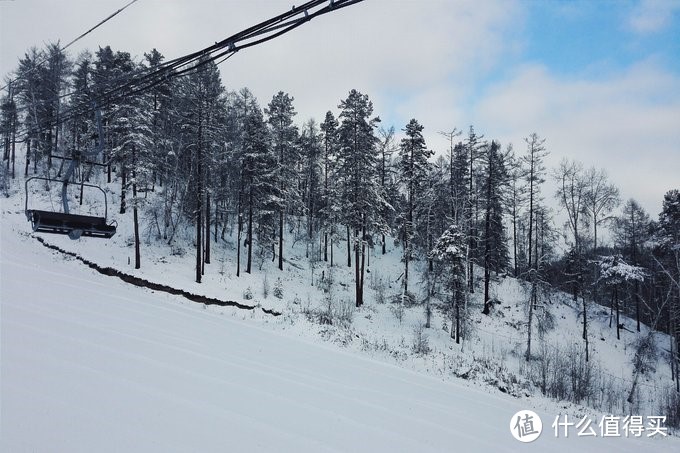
column 311, row 168
column 284, row 134
column 388, row 181
column 413, row 169
column 133, row 127
column 494, row 238
column 450, row 249
column 472, row 147
column 260, row 186
column 357, row 166
column 329, row 209
column 631, row 232
column 200, row 104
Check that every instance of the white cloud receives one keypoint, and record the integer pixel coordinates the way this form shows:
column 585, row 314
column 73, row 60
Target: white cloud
column 626, row 123
column 416, row 58
column 652, row 16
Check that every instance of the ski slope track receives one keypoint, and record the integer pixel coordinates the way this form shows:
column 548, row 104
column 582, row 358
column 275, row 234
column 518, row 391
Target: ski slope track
column 90, row 363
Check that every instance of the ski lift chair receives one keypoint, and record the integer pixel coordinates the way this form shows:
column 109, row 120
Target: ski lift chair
column 73, row 225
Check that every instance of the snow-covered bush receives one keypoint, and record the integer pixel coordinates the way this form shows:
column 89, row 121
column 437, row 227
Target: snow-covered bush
column 248, row 293
column 379, row 286
column 278, row 289
column 421, row 344
column 407, row 299
column 398, row 311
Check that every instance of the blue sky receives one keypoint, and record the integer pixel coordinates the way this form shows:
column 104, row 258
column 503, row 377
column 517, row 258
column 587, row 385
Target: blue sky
column 582, row 37
column 599, row 80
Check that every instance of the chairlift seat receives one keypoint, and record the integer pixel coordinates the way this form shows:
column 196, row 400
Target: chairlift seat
column 71, row 224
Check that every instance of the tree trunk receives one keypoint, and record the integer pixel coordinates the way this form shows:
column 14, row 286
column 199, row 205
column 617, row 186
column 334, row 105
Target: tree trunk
column 239, row 230
column 123, row 182
column 349, row 249
column 331, row 244
column 514, row 237
column 585, row 325
column 206, row 257
column 363, row 270
column 636, row 289
column 250, row 231
column 357, row 276
column 325, row 246
column 616, row 302
column 532, row 301
column 14, row 142
column 281, row 240
column 28, row 157
column 531, row 206
column 406, row 257
column 135, row 216
column 199, row 223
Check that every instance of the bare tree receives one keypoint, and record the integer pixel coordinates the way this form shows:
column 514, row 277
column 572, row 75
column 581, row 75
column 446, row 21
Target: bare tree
column 535, row 170
column 600, row 200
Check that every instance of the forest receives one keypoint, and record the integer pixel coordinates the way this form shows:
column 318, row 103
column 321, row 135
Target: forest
column 196, row 162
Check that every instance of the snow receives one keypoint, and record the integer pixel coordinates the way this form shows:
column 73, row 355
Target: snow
column 90, row 363
column 88, row 360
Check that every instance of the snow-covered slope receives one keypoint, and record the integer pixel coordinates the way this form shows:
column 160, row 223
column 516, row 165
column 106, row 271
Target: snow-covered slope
column 92, row 364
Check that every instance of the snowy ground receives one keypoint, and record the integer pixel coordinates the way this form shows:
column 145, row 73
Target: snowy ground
column 91, row 363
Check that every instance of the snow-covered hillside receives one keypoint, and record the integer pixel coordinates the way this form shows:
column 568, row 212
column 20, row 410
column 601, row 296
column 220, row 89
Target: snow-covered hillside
column 89, row 361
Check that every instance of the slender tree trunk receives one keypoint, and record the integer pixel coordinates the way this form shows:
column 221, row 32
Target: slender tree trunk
column 636, row 289
column 406, row 258
column 325, row 246
column 616, row 302
column 123, row 183
column 531, row 206
column 585, row 325
column 28, row 157
column 349, row 249
column 487, row 244
column 14, row 142
column 239, row 230
column 250, row 231
column 363, row 270
column 514, row 237
column 206, row 258
column 281, row 240
column 357, row 276
column 135, row 216
column 331, row 244
column 199, row 209
column 532, row 302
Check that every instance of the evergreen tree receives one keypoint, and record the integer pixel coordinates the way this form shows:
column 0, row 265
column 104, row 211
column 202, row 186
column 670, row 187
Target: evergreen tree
column 284, row 134
column 329, row 210
column 260, row 185
column 360, row 194
column 413, row 169
column 494, row 238
column 388, row 180
column 450, row 249
column 311, row 168
column 200, row 105
column 472, row 147
column 631, row 232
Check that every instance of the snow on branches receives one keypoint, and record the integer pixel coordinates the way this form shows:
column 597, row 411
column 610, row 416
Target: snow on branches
column 614, row 270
